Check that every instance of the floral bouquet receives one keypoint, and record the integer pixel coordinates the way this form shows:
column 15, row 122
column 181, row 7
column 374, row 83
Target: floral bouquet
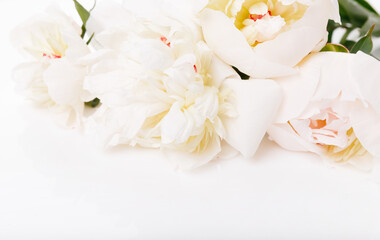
column 197, row 79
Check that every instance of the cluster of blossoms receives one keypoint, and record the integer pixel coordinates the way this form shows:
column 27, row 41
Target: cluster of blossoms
column 166, row 77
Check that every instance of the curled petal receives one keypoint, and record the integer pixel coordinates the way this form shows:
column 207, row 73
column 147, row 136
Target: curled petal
column 231, row 46
column 290, row 47
column 285, row 136
column 366, row 125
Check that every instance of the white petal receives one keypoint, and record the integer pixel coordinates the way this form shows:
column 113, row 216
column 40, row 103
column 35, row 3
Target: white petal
column 220, row 71
column 232, row 47
column 257, row 102
column 77, row 48
column 26, row 74
column 110, row 15
column 65, row 82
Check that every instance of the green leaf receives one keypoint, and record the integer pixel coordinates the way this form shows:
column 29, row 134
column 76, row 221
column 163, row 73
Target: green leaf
column 355, row 12
column 243, row 76
column 93, row 104
column 365, row 44
column 90, row 39
column 331, row 26
column 83, row 14
column 335, row 48
column 373, row 19
column 367, row 6
column 349, row 44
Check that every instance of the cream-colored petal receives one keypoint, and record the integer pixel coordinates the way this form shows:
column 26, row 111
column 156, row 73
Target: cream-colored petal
column 231, row 46
column 187, row 161
column 220, row 71
column 257, row 102
column 290, row 47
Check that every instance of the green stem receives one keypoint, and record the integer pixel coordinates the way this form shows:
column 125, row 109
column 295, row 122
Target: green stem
column 345, row 36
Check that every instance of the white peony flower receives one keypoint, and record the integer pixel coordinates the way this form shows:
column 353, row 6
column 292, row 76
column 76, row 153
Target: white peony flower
column 332, row 108
column 52, row 78
column 267, row 38
column 162, row 87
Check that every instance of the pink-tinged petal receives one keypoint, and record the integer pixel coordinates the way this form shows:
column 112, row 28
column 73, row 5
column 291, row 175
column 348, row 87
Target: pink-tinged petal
column 298, row 90
column 366, row 125
column 365, row 72
column 285, row 136
column 232, row 47
column 257, row 102
column 349, row 76
column 335, row 78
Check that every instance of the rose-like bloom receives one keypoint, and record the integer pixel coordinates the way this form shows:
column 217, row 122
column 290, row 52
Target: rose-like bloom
column 52, row 77
column 162, row 87
column 332, row 108
column 267, row 38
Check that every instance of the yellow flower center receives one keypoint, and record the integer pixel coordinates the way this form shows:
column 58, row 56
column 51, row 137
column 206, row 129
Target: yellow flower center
column 47, row 43
column 354, row 149
column 260, row 20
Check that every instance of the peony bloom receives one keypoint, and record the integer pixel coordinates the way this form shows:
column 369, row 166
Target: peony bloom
column 162, row 87
column 332, row 108
column 52, row 77
column 267, row 38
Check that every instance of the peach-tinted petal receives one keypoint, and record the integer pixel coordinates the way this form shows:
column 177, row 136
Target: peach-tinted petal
column 298, row 90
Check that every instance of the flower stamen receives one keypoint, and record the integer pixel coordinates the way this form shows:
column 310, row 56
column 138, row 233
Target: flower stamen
column 165, row 41
column 256, row 17
column 51, row 56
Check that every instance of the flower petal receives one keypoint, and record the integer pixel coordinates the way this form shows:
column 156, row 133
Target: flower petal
column 366, row 125
column 257, row 102
column 65, row 82
column 231, row 46
column 187, row 161
column 290, row 47
column 365, row 72
column 298, row 90
column 286, row 137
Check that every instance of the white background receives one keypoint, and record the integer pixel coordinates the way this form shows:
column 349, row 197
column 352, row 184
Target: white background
column 55, row 184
